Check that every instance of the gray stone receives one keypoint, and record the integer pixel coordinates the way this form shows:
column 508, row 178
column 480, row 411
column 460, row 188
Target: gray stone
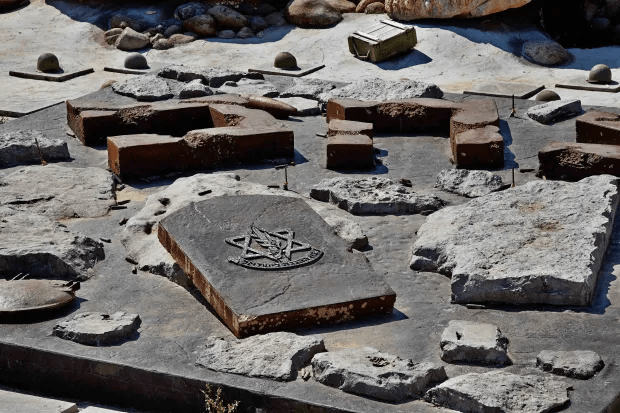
column 172, row 30
column 36, row 245
column 472, row 342
column 254, row 87
column 546, row 52
column 195, row 89
column 504, row 89
column 363, row 196
column 140, row 234
column 547, row 96
column 489, row 244
column 203, row 24
column 499, row 392
column 469, row 183
column 555, row 111
column 21, row 148
column 26, row 403
column 275, row 356
column 310, row 88
column 305, row 107
column 131, row 40
column 312, row 13
column 136, row 61
column 48, row 62
column 144, row 88
column 226, row 34
column 121, row 21
column 227, row 17
column 381, row 90
column 245, row 33
column 59, row 192
column 212, row 76
column 368, row 372
column 187, row 10
column 98, row 329
column 257, row 23
column 576, row 364
column 276, row 19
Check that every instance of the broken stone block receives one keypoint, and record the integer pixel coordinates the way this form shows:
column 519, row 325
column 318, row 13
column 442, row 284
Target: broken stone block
column 21, row 148
column 350, row 151
column 98, row 329
column 194, row 89
column 478, row 148
column 363, row 196
column 254, row 87
column 305, row 107
column 472, row 342
column 498, row 391
column 310, row 88
column 144, row 88
column 473, row 114
column 381, row 90
column 36, row 245
column 576, row 364
column 59, row 192
column 275, row 356
column 212, row 76
column 575, row 161
column 349, row 127
column 370, row 373
column 547, row 251
column 598, row 127
column 555, row 111
column 471, row 184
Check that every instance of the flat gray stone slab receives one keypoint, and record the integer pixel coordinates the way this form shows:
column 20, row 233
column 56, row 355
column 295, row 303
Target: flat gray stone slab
column 305, row 107
column 499, row 392
column 212, row 76
column 580, row 83
column 272, row 264
column 63, row 76
column 25, row 403
column 275, row 356
column 505, row 90
column 538, row 243
column 144, row 88
column 303, row 70
column 381, row 90
column 576, row 364
column 469, row 183
column 368, row 372
column 310, row 88
column 555, row 110
column 256, row 87
column 364, row 196
column 98, row 329
column 29, row 146
column 473, row 342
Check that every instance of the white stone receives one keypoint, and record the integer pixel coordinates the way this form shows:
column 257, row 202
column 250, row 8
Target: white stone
column 471, row 184
column 24, row 403
column 98, row 329
column 144, row 88
column 473, row 342
column 20, row 147
column 305, row 107
column 381, row 90
column 555, row 110
column 576, row 364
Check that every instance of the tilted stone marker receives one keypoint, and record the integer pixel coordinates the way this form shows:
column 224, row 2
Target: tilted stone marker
column 30, row 146
column 571, row 161
column 577, row 364
column 98, row 329
column 473, row 342
column 267, row 263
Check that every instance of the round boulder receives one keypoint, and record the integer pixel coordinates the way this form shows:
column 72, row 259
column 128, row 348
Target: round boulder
column 285, row 60
column 547, row 96
column 312, row 13
column 344, row 6
column 361, row 6
column 276, row 19
column 245, row 33
column 545, row 53
column 600, row 74
column 174, row 29
column 204, row 25
column 185, row 11
column 48, row 62
column 375, row 8
column 163, row 44
column 257, row 23
column 228, row 18
column 182, row 38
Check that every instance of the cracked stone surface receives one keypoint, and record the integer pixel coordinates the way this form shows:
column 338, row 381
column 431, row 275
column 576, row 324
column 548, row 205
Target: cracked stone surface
column 473, row 342
column 23, row 147
column 144, row 88
column 469, row 183
column 194, row 89
column 538, row 243
column 369, row 372
column 311, row 89
column 363, row 196
column 555, row 110
column 212, row 76
column 58, row 191
column 500, row 392
column 276, row 356
column 381, row 90
column 254, row 87
column 98, row 329
column 576, row 364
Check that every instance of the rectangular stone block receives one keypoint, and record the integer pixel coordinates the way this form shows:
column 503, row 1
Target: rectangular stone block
column 349, row 151
column 234, row 115
column 349, row 127
column 474, row 114
column 478, row 148
column 598, row 127
column 25, row 403
column 574, row 161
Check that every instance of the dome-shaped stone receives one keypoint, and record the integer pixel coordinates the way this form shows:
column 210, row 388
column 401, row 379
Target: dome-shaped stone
column 600, row 74
column 547, row 96
column 136, row 61
column 48, row 62
column 285, row 60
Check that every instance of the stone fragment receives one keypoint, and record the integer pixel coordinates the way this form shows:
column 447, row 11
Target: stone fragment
column 144, row 88
column 245, row 33
column 375, row 8
column 113, row 32
column 98, row 329
column 172, row 30
column 598, row 127
column 26, row 403
column 574, row 161
column 20, row 147
column 471, row 184
column 163, row 44
column 226, row 34
column 275, row 108
column 275, row 356
column 179, row 38
column 194, row 89
column 349, row 151
column 555, row 111
column 349, row 127
column 212, row 76
column 472, row 342
column 310, row 88
column 257, row 23
column 381, row 90
column 122, row 22
column 227, row 17
column 547, row 96
column 187, row 10
column 304, row 107
column 498, row 391
column 576, row 364
column 276, row 19
column 374, row 195
column 58, row 192
column 254, row 87
column 136, row 61
column 545, row 52
column 312, row 13
column 343, row 6
column 547, row 251
column 131, row 40
column 361, row 6
column 447, row 9
column 36, row 245
column 478, row 148
column 370, row 373
column 202, row 24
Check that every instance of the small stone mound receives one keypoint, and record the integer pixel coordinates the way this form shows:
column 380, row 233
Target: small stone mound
column 29, row 146
column 576, row 364
column 381, row 90
column 144, row 88
column 472, row 342
column 471, row 184
column 98, row 329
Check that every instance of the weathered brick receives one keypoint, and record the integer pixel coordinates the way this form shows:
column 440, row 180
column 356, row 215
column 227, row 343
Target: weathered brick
column 598, row 127
column 575, row 161
column 350, row 151
column 132, row 156
column 349, row 127
column 478, row 148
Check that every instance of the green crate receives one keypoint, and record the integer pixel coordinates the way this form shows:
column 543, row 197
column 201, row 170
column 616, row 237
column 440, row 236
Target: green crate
column 384, row 40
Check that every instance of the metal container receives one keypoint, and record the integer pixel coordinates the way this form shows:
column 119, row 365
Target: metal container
column 382, row 41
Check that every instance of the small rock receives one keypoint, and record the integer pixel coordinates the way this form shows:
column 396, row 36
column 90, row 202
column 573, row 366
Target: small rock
column 555, row 111
column 265, row 9
column 275, row 356
column 368, row 372
column 173, row 30
column 380, row 90
column 546, row 53
column 98, row 329
column 473, row 342
column 113, row 32
column 310, row 88
column 312, row 13
column 122, row 22
column 305, row 107
column 107, row 83
column 245, row 33
column 157, row 37
column 185, row 11
column 163, row 44
column 375, row 8
column 202, row 24
column 226, row 34
column 48, row 62
column 180, row 38
column 576, row 364
column 547, row 96
column 254, row 87
column 276, row 19
column 131, row 40
column 469, row 183
column 227, row 17
column 20, row 147
column 344, row 6
column 257, row 23
column 144, row 88
column 136, row 61
column 361, row 6
column 195, row 89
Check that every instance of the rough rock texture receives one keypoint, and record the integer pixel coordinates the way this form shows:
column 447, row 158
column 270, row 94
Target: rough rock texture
column 195, row 89
column 446, row 9
column 555, row 110
column 276, row 356
column 36, row 245
column 226, row 34
column 257, row 23
column 245, row 33
column 576, row 364
column 375, row 8
column 305, row 107
column 182, row 38
column 212, row 76
column 255, row 87
column 471, row 184
column 546, row 53
column 227, row 17
column 187, row 10
column 539, row 243
column 472, row 342
column 21, row 148
column 312, row 13
column 98, row 329
column 368, row 372
column 144, row 88
column 499, row 392
column 74, row 192
column 309, row 88
column 570, row 161
column 130, row 39
column 361, row 6
column 140, row 234
column 344, row 6
column 202, row 24
column 361, row 196
column 381, row 90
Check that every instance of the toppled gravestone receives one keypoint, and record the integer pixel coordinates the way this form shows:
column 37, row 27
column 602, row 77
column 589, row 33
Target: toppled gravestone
column 305, row 107
column 36, row 245
column 29, row 146
column 576, row 364
column 555, row 110
column 275, row 356
column 59, row 192
column 212, row 76
column 381, row 90
column 140, row 234
column 498, row 391
column 254, row 87
column 539, row 243
column 361, row 196
column 144, row 88
column 473, row 342
column 368, row 372
column 98, row 329
column 469, row 183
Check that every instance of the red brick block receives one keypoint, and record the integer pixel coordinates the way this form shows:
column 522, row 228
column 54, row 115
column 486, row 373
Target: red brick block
column 598, row 127
column 350, row 151
column 349, row 127
column 479, row 148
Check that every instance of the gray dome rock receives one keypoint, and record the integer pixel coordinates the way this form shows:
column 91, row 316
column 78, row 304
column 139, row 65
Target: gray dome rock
column 547, row 96
column 136, row 61
column 285, row 60
column 600, row 74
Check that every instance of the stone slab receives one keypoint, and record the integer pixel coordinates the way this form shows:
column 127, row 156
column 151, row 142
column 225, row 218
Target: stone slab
column 310, row 88
column 471, row 184
column 212, row 76
column 65, row 75
column 256, row 87
column 555, row 111
column 478, row 148
column 579, row 364
column 303, row 70
column 98, row 329
column 473, row 342
column 598, row 127
column 349, row 127
column 144, row 88
column 575, row 161
column 505, row 90
column 25, row 403
column 321, row 283
column 28, row 146
column 349, row 152
column 378, row 89
column 580, row 83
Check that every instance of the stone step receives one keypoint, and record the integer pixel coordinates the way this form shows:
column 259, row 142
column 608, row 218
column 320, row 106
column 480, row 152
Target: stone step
column 11, row 402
